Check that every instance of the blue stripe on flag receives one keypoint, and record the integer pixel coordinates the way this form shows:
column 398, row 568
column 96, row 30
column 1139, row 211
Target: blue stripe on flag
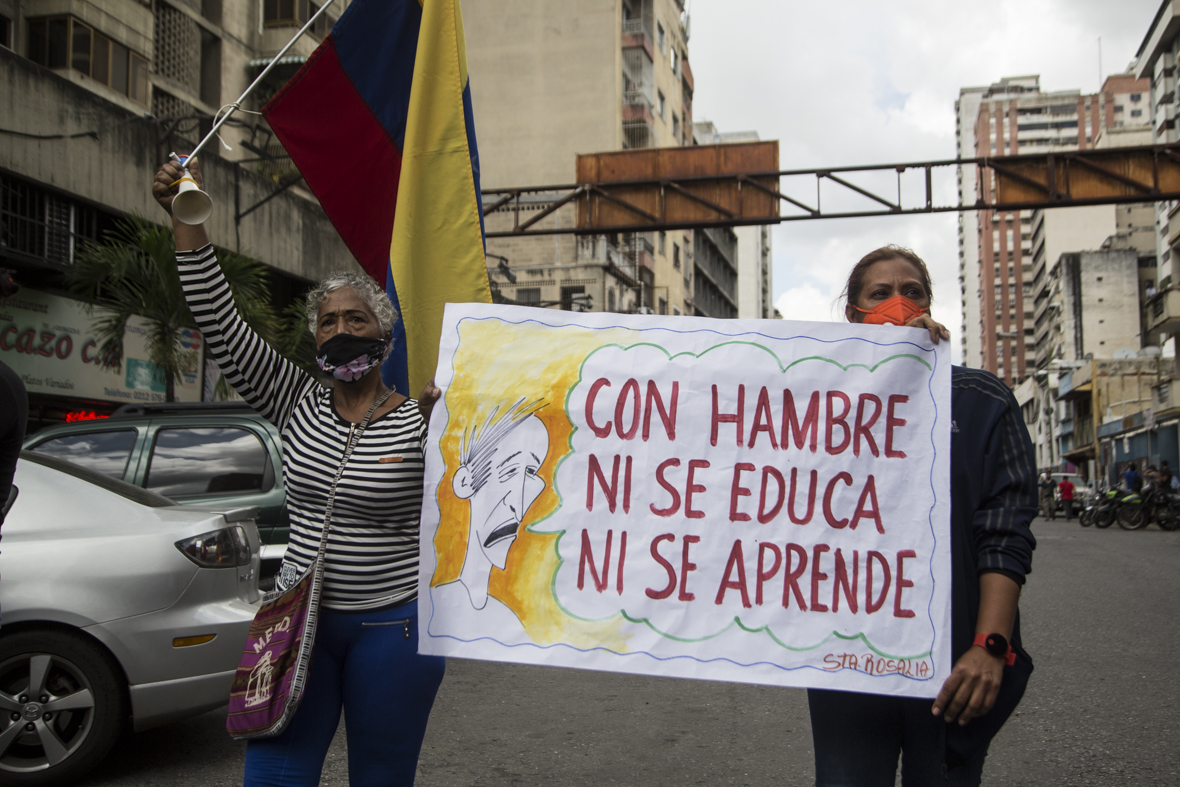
column 377, row 42
column 395, row 372
column 469, row 124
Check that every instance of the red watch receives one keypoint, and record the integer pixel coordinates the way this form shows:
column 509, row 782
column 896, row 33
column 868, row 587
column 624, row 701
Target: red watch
column 997, row 645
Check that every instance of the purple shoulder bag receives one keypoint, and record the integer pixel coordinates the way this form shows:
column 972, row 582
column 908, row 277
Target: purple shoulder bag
column 271, row 675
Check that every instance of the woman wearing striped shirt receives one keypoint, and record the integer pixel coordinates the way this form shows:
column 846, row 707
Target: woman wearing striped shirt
column 365, row 660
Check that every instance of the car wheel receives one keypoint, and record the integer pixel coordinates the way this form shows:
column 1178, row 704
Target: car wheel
column 63, row 705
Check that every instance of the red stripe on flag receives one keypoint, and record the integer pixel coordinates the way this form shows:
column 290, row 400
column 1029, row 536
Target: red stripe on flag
column 350, row 163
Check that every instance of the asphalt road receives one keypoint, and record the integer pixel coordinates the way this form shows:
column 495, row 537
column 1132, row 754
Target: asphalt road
column 1099, row 617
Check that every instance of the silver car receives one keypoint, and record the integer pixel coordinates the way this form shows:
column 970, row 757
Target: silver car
column 117, row 605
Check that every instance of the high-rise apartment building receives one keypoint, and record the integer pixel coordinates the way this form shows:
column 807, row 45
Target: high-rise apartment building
column 755, row 276
column 996, row 254
column 96, row 95
column 1155, row 64
column 552, row 79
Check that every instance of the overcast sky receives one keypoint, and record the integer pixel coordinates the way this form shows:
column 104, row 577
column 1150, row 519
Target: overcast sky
column 875, row 81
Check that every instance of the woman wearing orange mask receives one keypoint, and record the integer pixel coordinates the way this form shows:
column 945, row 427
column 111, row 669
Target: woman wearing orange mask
column 858, row 737
column 891, row 286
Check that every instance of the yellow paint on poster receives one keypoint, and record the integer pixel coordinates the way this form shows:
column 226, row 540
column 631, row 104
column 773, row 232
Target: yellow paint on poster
column 492, row 372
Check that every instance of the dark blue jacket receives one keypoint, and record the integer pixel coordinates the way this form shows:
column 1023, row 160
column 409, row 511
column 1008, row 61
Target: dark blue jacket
column 993, row 502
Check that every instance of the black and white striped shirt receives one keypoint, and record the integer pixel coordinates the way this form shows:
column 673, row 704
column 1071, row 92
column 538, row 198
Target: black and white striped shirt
column 372, row 555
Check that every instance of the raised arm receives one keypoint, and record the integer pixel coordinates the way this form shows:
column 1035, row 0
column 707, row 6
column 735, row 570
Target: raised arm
column 265, row 379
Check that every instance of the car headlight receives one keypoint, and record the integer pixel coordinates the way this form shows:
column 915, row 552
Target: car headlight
column 225, row 548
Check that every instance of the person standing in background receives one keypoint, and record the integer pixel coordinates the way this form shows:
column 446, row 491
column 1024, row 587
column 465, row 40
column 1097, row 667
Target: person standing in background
column 1132, row 481
column 1066, row 489
column 1048, row 502
column 14, row 411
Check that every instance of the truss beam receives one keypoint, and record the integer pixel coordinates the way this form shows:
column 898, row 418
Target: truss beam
column 1107, row 176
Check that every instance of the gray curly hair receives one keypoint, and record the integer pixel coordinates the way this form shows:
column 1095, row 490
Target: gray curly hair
column 364, row 286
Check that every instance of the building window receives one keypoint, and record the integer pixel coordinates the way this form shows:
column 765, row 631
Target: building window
column 289, row 13
column 610, row 299
column 1135, row 113
column 661, row 38
column 528, row 296
column 675, row 127
column 660, row 242
column 675, row 61
column 661, row 104
column 64, row 42
column 5, row 32
column 278, row 13
column 663, row 305
column 1136, row 97
column 676, row 311
column 571, row 296
column 41, row 226
column 676, row 256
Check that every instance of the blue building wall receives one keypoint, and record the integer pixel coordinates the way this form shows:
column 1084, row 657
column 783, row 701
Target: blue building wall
column 1145, row 448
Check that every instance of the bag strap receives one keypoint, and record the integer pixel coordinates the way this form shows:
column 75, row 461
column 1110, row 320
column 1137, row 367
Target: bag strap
column 354, row 436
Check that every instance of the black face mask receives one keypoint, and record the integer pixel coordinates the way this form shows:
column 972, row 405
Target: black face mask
column 347, row 357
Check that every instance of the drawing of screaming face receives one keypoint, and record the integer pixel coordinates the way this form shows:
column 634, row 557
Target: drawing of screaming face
column 501, row 484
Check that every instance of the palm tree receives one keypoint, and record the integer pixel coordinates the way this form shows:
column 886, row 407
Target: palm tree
column 133, row 272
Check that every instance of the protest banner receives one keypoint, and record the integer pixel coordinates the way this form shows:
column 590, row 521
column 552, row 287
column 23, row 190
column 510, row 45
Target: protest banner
column 756, row 501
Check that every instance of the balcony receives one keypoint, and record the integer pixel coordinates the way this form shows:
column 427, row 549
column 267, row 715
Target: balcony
column 638, row 134
column 1163, row 311
column 636, row 27
column 1166, row 395
column 637, row 35
column 637, row 106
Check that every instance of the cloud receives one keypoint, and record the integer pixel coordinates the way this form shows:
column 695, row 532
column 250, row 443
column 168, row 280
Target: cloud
column 808, row 302
column 865, row 82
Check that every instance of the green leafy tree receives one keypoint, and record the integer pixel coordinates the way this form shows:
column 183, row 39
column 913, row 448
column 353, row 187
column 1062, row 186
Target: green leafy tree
column 133, row 272
column 294, row 339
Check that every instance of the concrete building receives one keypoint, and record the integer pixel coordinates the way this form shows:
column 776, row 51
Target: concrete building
column 1115, row 411
column 755, row 284
column 79, row 148
column 551, row 80
column 1013, row 117
column 1155, row 64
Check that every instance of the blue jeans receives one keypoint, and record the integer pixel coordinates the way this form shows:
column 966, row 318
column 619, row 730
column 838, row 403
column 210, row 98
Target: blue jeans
column 858, row 738
column 367, row 663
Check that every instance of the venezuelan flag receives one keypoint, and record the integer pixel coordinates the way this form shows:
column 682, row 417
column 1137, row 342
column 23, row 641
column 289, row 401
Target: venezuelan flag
column 379, row 123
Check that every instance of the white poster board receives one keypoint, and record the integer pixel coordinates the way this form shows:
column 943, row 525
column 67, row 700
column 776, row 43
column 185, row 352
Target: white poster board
column 756, row 501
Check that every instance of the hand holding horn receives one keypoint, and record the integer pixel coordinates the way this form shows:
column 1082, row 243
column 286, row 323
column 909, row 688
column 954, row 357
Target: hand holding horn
column 168, row 181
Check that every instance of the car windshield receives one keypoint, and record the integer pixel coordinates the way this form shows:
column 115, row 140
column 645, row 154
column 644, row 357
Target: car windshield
column 121, row 488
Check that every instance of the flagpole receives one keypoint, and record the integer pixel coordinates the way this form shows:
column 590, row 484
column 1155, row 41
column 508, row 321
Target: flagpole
column 274, row 61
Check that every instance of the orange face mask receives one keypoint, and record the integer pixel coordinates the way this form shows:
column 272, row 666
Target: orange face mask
column 897, row 310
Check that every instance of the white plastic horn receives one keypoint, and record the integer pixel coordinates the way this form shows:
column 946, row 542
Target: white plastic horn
column 191, row 205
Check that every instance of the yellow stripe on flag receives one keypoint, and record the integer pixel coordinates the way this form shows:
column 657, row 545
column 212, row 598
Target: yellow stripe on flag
column 436, row 254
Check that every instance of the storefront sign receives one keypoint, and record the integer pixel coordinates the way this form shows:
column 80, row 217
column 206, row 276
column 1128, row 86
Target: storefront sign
column 49, row 341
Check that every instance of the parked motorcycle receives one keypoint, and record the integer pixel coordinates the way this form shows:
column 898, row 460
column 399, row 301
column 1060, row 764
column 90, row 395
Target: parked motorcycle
column 1103, row 510
column 1155, row 504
